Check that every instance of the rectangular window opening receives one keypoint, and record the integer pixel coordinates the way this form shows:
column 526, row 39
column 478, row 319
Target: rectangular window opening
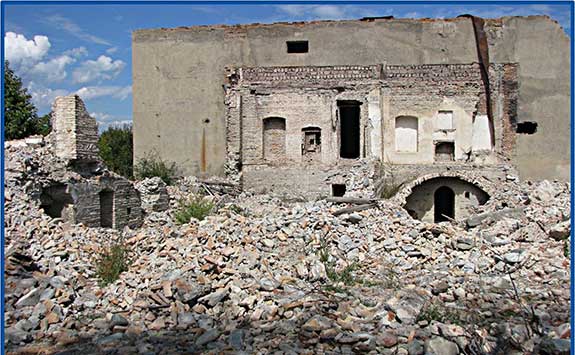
column 338, row 190
column 297, row 46
column 445, row 151
column 526, row 127
column 349, row 114
column 311, row 140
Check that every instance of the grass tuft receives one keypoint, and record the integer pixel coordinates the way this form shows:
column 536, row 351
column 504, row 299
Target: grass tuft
column 196, row 207
column 152, row 165
column 111, row 264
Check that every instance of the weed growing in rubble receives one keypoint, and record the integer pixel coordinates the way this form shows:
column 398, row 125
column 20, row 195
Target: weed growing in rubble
column 566, row 248
column 435, row 311
column 196, row 207
column 152, row 165
column 112, row 263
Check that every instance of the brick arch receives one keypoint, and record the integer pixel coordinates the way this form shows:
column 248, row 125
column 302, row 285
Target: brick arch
column 407, row 188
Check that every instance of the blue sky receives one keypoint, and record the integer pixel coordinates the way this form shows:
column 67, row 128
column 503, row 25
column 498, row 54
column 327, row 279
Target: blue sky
column 86, row 49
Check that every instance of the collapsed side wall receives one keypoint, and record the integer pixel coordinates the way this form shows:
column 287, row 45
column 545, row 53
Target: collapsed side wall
column 542, row 49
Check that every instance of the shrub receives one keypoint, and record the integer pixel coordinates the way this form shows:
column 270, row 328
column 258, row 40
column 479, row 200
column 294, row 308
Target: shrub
column 112, row 263
column 116, row 149
column 195, row 207
column 152, row 166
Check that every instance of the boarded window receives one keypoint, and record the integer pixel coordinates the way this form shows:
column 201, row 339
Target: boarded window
column 349, row 113
column 107, row 209
column 406, row 134
column 444, row 151
column 311, row 140
column 444, row 120
column 274, row 138
column 481, row 137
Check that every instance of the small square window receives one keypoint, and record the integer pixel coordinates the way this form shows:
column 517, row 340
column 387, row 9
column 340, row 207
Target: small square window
column 297, row 46
column 338, row 190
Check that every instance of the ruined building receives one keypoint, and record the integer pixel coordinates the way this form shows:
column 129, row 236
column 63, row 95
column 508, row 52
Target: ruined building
column 436, row 112
column 69, row 179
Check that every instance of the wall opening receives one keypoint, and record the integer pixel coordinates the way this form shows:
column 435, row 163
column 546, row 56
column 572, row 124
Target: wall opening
column 426, row 201
column 54, row 199
column 349, row 113
column 311, row 140
column 107, row 209
column 526, row 127
column 406, row 134
column 297, row 46
column 338, row 190
column 444, row 204
column 444, row 151
column 274, row 138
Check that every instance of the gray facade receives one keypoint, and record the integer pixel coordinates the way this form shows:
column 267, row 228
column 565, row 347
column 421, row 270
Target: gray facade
column 179, row 77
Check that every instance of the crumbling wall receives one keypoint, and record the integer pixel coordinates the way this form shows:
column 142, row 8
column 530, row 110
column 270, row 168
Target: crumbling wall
column 427, row 92
column 74, row 132
column 127, row 209
column 174, row 73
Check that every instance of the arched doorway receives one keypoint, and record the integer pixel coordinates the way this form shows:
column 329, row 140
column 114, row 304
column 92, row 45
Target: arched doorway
column 444, row 204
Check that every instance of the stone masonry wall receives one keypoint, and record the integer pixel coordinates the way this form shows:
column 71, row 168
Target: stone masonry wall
column 75, row 133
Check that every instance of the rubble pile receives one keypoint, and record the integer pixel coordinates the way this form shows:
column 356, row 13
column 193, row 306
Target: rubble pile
column 261, row 275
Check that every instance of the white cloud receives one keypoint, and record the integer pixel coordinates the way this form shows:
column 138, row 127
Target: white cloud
column 52, row 70
column 43, row 97
column 74, row 29
column 112, row 50
column 22, row 52
column 77, row 52
column 104, row 68
column 93, row 92
column 329, row 11
column 106, row 120
column 326, row 12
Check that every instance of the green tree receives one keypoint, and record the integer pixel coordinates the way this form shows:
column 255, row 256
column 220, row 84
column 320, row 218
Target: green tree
column 20, row 115
column 116, row 149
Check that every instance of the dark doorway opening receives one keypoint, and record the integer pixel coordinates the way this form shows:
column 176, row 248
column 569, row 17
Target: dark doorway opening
column 338, row 190
column 54, row 199
column 445, row 151
column 107, row 209
column 349, row 129
column 444, row 204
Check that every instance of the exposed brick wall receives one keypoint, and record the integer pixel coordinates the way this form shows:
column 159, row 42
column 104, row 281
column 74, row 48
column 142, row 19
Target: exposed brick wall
column 308, row 96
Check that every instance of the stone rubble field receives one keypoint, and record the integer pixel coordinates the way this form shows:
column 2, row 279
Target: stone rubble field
column 265, row 276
